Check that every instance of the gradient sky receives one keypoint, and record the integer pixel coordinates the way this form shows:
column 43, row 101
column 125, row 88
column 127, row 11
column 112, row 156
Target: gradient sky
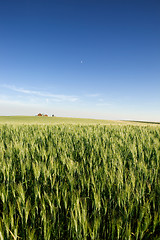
column 80, row 58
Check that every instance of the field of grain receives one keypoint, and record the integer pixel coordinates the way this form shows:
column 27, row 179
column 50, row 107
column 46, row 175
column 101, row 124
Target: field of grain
column 30, row 120
column 79, row 181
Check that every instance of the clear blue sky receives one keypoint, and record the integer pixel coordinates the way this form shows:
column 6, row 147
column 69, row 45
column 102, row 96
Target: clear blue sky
column 80, row 58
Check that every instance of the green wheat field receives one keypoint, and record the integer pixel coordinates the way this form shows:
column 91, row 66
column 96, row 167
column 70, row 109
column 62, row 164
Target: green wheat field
column 66, row 178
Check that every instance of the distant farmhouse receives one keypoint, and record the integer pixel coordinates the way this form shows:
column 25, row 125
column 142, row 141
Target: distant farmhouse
column 43, row 115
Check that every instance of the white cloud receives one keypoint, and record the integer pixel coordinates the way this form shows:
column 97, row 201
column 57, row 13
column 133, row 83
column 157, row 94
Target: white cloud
column 56, row 97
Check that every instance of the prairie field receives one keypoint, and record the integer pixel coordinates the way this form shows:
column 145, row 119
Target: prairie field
column 64, row 178
column 30, row 120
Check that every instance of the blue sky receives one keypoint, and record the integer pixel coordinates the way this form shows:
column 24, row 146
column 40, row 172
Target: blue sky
column 80, row 58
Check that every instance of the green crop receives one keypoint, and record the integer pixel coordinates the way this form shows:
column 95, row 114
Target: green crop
column 79, row 182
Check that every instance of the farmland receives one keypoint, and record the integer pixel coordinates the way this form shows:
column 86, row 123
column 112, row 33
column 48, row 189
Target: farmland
column 23, row 120
column 79, row 179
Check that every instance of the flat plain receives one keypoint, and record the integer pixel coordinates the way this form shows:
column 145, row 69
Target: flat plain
column 14, row 120
column 66, row 178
